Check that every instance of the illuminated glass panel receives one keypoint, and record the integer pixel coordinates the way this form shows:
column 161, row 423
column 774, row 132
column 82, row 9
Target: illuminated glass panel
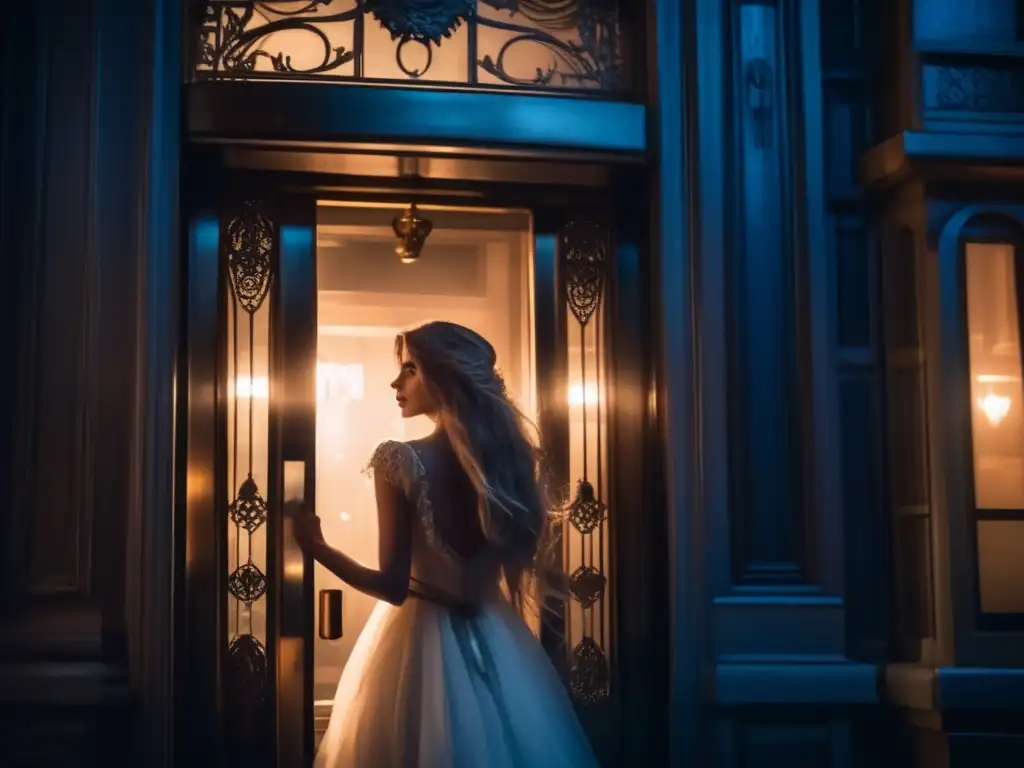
column 1000, row 577
column 997, row 395
column 997, row 424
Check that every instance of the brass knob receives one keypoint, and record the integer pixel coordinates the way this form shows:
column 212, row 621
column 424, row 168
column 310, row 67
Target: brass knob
column 330, row 614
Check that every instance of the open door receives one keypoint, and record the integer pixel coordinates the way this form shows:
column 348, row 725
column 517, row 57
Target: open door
column 296, row 344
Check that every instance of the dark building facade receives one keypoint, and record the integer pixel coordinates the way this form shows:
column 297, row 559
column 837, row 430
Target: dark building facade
column 751, row 265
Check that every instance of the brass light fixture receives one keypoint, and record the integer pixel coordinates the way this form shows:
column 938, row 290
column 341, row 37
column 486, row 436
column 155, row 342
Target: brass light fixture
column 411, row 231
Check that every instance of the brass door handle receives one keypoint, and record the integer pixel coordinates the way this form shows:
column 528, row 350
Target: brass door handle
column 330, row 614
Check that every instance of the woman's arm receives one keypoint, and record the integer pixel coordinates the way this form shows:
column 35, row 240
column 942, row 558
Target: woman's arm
column 391, row 582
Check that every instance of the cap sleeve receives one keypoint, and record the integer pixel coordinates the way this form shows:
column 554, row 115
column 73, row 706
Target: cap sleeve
column 401, row 466
column 396, row 463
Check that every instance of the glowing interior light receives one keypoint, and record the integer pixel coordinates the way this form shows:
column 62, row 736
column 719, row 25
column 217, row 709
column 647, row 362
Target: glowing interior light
column 345, row 517
column 577, row 396
column 333, row 381
column 995, row 408
column 257, row 387
column 340, row 382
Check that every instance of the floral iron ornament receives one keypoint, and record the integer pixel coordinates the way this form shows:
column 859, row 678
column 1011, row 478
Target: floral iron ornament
column 575, row 44
column 421, row 20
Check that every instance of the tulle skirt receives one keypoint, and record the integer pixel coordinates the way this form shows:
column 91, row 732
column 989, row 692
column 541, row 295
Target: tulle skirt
column 428, row 686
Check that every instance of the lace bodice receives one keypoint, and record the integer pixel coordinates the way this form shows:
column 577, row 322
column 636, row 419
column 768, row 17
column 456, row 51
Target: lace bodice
column 434, row 563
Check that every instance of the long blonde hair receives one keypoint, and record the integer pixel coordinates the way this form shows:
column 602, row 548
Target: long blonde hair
column 491, row 439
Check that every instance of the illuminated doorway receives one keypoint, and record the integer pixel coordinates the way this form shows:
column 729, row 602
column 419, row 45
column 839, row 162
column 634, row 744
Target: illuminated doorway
column 475, row 271
column 293, row 308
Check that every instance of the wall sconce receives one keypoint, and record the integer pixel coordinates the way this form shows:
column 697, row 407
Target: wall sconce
column 411, row 231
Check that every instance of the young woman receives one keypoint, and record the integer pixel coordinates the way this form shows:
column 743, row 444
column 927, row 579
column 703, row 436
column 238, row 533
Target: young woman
column 446, row 672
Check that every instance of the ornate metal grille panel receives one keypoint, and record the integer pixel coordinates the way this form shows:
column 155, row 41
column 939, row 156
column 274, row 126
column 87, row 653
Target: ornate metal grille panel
column 568, row 45
column 248, row 256
column 585, row 252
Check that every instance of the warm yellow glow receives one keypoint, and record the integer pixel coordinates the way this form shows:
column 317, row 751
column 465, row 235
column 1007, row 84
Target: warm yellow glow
column 578, row 395
column 331, row 380
column 995, row 378
column 363, row 303
column 997, row 430
column 995, row 407
column 198, row 482
column 257, row 388
column 343, row 383
column 588, row 424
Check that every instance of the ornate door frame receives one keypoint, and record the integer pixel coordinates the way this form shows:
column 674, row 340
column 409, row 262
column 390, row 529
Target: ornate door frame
column 590, row 280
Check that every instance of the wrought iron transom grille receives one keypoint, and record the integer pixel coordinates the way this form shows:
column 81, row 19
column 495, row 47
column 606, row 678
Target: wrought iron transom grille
column 565, row 45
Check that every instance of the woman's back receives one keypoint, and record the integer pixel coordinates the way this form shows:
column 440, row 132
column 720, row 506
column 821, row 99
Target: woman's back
column 456, row 517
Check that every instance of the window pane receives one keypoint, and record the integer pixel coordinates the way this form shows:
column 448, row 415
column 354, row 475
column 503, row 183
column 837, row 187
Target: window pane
column 995, row 367
column 1000, row 577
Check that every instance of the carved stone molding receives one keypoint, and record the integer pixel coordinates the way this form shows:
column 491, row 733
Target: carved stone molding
column 973, row 88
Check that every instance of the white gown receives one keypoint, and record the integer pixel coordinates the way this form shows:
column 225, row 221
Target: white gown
column 435, row 684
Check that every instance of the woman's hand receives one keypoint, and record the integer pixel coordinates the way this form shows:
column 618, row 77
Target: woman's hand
column 307, row 532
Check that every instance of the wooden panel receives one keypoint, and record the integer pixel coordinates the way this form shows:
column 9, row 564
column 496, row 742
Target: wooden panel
column 767, row 304
column 906, row 437
column 845, row 34
column 866, row 532
column 793, row 738
column 848, row 53
column 88, row 465
column 848, row 133
column 52, row 245
column 856, row 287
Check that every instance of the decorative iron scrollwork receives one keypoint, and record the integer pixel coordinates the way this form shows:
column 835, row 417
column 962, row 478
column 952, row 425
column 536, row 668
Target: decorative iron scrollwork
column 586, row 585
column 420, row 19
column 585, row 250
column 248, row 510
column 245, row 689
column 586, row 511
column 247, row 583
column 589, row 678
column 250, row 254
column 232, row 34
column 586, row 262
column 535, row 44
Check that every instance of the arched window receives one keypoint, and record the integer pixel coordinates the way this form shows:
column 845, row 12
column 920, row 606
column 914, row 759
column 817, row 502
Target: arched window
column 992, row 258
